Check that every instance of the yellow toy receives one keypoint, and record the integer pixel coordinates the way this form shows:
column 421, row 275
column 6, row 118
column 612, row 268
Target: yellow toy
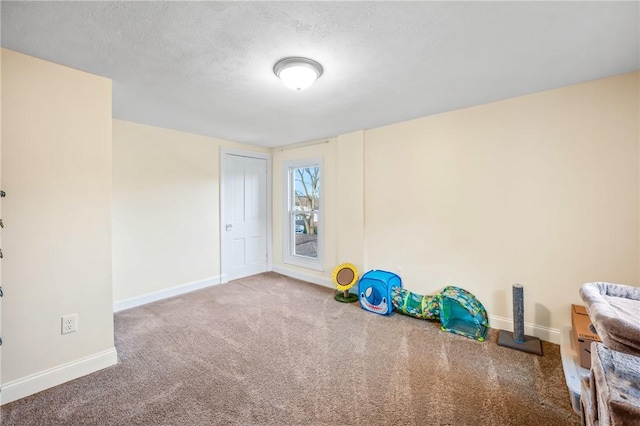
column 345, row 276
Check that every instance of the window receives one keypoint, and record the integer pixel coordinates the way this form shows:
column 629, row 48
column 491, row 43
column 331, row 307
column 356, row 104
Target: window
column 303, row 213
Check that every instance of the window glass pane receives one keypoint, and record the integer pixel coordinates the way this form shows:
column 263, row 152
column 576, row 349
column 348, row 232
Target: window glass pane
column 303, row 237
column 306, row 186
column 306, row 234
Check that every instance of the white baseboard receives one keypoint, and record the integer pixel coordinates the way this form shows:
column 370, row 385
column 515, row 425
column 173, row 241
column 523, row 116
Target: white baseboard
column 501, row 323
column 168, row 292
column 543, row 333
column 326, row 282
column 46, row 379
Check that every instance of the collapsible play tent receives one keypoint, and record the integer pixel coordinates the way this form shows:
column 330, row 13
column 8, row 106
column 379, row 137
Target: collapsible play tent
column 415, row 305
column 462, row 313
column 374, row 289
column 458, row 310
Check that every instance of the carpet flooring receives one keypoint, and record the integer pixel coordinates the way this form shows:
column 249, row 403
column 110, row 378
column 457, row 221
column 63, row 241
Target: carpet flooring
column 272, row 350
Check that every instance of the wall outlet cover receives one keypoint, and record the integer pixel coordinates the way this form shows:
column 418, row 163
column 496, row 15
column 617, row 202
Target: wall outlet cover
column 69, row 323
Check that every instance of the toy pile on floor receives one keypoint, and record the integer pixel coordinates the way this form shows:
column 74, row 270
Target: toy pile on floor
column 458, row 311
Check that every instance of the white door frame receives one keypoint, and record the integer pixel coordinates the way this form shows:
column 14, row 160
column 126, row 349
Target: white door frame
column 224, row 151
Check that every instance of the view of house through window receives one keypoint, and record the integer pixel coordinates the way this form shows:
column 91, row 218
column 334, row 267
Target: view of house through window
column 303, row 226
column 305, row 210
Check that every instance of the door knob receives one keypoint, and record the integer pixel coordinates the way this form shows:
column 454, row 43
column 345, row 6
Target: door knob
column 228, row 227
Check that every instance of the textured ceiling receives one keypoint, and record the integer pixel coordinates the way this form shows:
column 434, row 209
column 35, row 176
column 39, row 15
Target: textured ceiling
column 206, row 67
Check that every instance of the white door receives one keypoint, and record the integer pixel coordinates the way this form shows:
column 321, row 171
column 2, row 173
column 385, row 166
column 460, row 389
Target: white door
column 244, row 215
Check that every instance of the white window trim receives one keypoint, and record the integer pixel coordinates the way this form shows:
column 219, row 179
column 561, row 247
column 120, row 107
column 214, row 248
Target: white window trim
column 288, row 234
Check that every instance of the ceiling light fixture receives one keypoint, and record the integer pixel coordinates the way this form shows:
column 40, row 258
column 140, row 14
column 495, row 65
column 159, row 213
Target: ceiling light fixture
column 297, row 73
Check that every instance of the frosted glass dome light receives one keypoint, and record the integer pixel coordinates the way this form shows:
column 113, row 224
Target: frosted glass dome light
column 297, row 73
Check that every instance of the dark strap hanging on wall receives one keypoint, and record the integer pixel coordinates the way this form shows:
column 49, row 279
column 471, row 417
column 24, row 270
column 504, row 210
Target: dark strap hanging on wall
column 2, row 194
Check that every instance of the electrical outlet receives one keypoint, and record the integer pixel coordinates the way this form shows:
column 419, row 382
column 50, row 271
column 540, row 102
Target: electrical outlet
column 69, row 323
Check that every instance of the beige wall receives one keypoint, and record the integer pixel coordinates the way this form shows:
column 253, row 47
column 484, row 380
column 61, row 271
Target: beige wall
column 540, row 190
column 350, row 200
column 343, row 204
column 166, row 212
column 56, row 171
column 327, row 151
column 1, row 186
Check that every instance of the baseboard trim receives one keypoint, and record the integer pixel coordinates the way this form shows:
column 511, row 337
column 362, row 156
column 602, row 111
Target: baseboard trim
column 543, row 333
column 168, row 292
column 55, row 376
column 325, row 282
